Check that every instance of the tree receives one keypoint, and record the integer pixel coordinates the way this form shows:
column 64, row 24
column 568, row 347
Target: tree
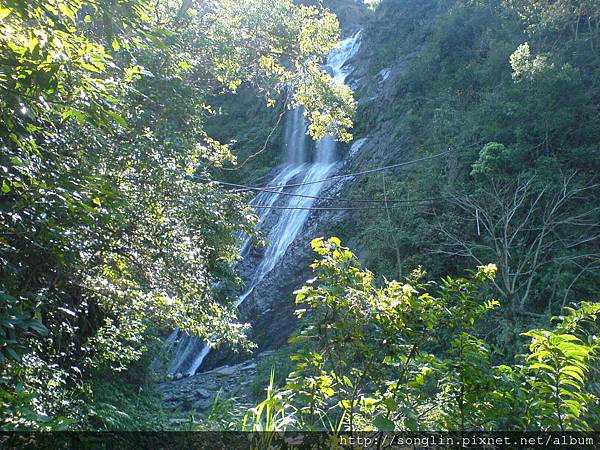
column 575, row 16
column 107, row 235
column 367, row 350
column 557, row 368
column 526, row 226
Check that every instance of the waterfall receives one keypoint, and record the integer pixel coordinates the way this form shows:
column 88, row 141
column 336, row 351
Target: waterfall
column 299, row 166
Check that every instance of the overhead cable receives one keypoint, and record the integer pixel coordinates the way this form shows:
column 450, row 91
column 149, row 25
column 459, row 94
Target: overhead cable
column 339, row 208
column 292, row 194
column 349, row 175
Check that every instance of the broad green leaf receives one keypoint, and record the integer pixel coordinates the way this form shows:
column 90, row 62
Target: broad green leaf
column 383, row 424
column 118, row 118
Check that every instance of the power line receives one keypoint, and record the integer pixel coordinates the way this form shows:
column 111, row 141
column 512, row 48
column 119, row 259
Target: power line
column 291, row 194
column 269, row 188
column 365, row 172
column 339, row 208
column 348, row 175
column 335, row 177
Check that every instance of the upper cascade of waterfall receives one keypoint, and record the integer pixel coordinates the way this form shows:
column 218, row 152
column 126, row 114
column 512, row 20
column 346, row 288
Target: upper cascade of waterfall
column 300, row 166
column 339, row 56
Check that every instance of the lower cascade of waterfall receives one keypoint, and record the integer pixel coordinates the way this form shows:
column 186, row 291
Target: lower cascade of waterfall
column 300, row 166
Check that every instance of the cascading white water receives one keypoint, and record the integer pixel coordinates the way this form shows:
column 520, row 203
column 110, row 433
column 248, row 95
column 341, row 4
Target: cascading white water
column 299, row 166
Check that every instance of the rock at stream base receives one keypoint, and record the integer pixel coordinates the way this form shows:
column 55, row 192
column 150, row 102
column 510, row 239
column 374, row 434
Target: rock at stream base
column 196, row 394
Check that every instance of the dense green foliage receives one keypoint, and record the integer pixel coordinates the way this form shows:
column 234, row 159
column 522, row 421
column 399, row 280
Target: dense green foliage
column 511, row 89
column 413, row 355
column 107, row 236
column 115, row 117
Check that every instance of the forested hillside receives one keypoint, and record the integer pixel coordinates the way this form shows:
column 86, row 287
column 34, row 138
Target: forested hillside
column 135, row 134
column 511, row 91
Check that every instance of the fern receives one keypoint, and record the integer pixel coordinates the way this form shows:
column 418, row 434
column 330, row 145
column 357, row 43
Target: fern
column 557, row 371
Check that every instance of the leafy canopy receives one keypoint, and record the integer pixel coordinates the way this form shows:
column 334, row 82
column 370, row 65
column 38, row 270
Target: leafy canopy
column 107, row 237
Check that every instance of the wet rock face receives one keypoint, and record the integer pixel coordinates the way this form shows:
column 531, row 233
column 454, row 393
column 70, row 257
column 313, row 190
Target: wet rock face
column 270, row 307
column 195, row 395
